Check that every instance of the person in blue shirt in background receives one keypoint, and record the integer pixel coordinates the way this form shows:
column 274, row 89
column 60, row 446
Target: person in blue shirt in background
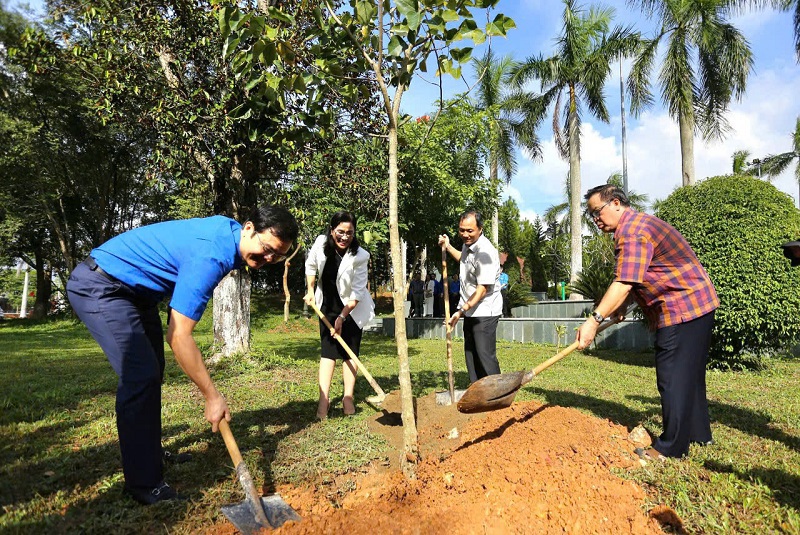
column 504, row 293
column 116, row 292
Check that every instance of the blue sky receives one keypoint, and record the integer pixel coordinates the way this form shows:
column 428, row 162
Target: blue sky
column 761, row 123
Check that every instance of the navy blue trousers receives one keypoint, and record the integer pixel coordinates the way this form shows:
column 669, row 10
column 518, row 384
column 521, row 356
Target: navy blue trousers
column 480, row 346
column 681, row 357
column 127, row 327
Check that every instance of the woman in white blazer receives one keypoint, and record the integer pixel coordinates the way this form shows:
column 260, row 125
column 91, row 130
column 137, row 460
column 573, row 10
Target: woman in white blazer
column 336, row 274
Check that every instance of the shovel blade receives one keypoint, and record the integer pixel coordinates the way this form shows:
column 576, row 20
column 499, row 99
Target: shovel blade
column 443, row 398
column 241, row 515
column 492, row 392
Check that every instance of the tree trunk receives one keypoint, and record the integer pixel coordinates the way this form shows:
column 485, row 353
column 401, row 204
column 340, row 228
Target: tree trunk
column 686, row 124
column 496, row 212
column 286, row 285
column 44, row 287
column 575, row 220
column 410, row 446
column 232, row 314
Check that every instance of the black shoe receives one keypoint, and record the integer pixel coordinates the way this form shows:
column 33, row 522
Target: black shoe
column 177, row 458
column 160, row 493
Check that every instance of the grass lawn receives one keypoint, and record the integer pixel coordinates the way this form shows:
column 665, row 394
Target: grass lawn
column 59, row 461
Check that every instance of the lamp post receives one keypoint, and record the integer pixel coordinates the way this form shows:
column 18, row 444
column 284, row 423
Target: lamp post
column 624, row 137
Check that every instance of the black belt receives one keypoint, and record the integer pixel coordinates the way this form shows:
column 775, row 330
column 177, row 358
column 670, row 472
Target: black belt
column 91, row 264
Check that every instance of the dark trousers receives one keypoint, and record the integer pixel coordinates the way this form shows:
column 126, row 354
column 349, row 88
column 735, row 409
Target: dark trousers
column 128, row 329
column 453, row 298
column 681, row 356
column 418, row 305
column 480, row 346
column 438, row 306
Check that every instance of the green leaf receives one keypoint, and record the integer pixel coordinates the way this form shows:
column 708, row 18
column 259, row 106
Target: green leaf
column 461, row 55
column 269, row 54
column 277, row 14
column 450, row 15
column 399, row 29
column 365, row 11
column 252, row 83
column 395, row 47
column 411, row 11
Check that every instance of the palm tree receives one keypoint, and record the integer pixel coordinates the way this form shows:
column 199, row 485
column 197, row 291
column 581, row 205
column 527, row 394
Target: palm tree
column 513, row 119
column 697, row 90
column 575, row 76
column 555, row 214
column 776, row 164
column 741, row 165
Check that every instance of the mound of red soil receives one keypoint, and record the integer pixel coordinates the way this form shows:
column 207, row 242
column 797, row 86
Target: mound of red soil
column 526, row 469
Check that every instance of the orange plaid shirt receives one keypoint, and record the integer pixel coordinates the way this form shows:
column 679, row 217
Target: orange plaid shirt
column 668, row 281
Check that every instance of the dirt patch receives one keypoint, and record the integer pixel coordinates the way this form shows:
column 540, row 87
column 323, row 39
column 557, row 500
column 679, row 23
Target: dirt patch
column 530, row 468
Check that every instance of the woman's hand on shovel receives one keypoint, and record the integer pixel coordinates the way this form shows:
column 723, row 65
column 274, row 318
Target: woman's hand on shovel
column 216, row 410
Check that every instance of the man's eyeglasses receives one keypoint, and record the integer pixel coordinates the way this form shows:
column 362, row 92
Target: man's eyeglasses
column 268, row 251
column 343, row 234
column 594, row 214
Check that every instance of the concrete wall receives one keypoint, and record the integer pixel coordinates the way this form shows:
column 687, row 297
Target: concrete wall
column 554, row 309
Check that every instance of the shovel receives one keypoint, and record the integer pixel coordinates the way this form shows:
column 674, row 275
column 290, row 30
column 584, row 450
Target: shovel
column 255, row 513
column 381, row 395
column 451, row 395
column 495, row 392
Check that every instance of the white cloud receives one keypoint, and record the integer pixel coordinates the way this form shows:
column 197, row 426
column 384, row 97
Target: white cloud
column 762, row 124
column 529, row 215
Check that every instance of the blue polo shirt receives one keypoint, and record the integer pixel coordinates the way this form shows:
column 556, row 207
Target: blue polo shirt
column 185, row 259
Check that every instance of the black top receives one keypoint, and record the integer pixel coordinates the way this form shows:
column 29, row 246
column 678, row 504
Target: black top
column 331, row 302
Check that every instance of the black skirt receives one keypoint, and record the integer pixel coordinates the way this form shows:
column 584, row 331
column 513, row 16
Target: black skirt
column 351, row 335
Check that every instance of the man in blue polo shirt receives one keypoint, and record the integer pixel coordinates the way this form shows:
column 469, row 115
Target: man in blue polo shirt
column 116, row 292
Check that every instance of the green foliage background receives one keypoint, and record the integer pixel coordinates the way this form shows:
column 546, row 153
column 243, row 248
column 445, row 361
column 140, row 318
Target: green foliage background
column 736, row 225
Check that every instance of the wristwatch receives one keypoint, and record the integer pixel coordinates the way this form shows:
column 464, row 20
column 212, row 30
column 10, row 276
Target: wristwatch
column 598, row 317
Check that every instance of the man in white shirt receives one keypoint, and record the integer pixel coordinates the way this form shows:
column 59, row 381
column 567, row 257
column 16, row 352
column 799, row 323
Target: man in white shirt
column 480, row 303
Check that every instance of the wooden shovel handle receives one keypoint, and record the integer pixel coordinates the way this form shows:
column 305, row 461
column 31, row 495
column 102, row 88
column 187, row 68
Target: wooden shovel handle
column 230, row 442
column 353, row 357
column 448, row 327
column 569, row 349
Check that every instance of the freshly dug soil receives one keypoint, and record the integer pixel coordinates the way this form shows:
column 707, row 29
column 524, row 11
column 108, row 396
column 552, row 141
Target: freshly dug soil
column 530, row 468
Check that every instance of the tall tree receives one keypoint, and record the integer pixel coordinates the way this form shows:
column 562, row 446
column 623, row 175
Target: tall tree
column 510, row 229
column 228, row 129
column 513, row 118
column 705, row 67
column 575, row 77
column 58, row 159
column 415, row 31
column 776, row 164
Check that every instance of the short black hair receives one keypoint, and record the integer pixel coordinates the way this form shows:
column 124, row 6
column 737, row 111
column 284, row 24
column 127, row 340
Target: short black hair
column 608, row 192
column 474, row 213
column 336, row 219
column 277, row 219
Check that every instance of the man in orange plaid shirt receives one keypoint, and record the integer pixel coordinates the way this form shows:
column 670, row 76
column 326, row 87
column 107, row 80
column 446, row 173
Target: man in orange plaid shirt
column 657, row 268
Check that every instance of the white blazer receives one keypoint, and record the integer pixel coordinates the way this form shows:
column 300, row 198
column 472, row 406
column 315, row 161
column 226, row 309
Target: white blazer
column 351, row 280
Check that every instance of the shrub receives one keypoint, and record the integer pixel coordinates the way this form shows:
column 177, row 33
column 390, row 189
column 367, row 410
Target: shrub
column 736, row 225
column 519, row 295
